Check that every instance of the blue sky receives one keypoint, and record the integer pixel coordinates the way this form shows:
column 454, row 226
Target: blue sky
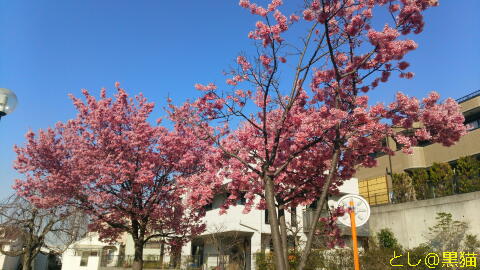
column 49, row 49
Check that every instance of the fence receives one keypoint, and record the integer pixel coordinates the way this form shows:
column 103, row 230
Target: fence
column 375, row 190
column 469, row 96
column 118, row 262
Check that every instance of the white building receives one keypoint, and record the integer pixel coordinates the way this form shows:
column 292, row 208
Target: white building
column 234, row 238
column 90, row 253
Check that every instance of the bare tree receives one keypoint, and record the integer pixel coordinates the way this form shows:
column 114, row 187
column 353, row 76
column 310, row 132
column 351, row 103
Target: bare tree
column 36, row 228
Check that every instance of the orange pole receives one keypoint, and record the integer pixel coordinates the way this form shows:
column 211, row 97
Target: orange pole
column 356, row 262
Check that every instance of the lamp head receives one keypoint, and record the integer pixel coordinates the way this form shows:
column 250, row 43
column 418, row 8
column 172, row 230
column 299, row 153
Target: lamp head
column 8, row 101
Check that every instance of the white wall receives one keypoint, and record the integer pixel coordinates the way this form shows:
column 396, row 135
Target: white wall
column 350, row 186
column 410, row 221
column 71, row 262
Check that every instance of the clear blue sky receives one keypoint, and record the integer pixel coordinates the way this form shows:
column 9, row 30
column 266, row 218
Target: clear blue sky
column 161, row 48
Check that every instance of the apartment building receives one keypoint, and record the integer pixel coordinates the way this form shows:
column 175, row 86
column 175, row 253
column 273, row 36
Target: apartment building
column 375, row 183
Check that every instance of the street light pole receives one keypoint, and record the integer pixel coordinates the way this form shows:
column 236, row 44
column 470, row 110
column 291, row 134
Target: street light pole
column 8, row 101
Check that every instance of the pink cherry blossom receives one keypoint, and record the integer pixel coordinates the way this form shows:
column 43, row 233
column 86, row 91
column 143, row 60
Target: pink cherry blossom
column 114, row 165
column 300, row 132
column 209, row 87
column 242, row 61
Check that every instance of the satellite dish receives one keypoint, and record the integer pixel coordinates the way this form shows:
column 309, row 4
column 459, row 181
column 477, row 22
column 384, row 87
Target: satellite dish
column 360, row 207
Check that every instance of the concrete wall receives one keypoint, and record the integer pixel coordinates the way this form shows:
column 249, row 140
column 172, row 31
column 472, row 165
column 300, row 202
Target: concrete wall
column 410, row 221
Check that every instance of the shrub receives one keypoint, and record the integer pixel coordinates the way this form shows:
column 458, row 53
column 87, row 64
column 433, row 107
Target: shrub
column 403, row 190
column 467, row 173
column 441, row 176
column 386, row 239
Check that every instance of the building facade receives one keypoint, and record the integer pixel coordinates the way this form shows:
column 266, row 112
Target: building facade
column 235, row 238
column 232, row 239
column 90, row 253
column 375, row 184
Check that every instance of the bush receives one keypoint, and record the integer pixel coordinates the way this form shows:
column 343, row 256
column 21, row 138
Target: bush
column 386, row 239
column 264, row 261
column 441, row 175
column 467, row 173
column 403, row 190
column 421, row 184
column 446, row 235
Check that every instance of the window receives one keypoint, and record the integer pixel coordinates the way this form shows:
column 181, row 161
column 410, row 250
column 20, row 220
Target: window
column 473, row 124
column 153, row 243
column 108, row 255
column 84, row 259
column 267, row 218
column 208, row 207
column 84, row 256
column 291, row 241
column 241, row 200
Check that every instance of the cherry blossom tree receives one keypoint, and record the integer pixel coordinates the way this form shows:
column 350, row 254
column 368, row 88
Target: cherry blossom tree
column 114, row 165
column 294, row 141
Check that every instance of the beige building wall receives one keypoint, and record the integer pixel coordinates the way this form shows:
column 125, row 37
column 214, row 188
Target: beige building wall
column 422, row 157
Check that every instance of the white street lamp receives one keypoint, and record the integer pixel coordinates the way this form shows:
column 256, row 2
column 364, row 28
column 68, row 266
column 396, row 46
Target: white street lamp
column 8, row 101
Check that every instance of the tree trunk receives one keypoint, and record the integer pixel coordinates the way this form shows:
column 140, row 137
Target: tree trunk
column 283, row 234
column 27, row 260
column 318, row 210
column 293, row 221
column 162, row 254
column 138, row 257
column 176, row 257
column 274, row 224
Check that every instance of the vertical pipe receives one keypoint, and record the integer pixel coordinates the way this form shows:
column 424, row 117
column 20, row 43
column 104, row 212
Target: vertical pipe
column 356, row 262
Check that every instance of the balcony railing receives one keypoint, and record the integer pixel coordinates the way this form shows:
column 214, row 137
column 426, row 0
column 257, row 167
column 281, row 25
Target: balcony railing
column 469, row 96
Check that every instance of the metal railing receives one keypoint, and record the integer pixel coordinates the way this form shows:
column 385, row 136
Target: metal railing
column 111, row 262
column 469, row 96
column 378, row 198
